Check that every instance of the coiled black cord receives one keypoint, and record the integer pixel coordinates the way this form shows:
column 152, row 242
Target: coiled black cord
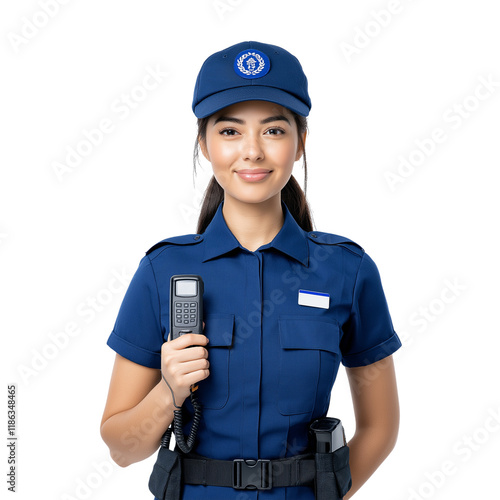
column 177, row 425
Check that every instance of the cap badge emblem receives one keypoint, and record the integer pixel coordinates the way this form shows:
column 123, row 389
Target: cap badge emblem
column 252, row 63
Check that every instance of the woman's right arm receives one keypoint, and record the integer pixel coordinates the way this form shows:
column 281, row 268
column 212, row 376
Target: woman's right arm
column 139, row 407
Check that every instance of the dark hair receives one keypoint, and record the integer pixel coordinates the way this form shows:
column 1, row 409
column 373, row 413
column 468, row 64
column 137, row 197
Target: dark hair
column 291, row 194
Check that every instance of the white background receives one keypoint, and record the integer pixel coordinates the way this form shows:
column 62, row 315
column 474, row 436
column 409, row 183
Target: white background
column 64, row 237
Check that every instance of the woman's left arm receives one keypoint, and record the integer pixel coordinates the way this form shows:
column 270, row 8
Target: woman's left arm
column 376, row 409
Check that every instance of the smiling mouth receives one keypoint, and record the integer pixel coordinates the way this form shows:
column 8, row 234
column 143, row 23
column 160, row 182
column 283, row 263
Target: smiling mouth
column 253, row 171
column 255, row 174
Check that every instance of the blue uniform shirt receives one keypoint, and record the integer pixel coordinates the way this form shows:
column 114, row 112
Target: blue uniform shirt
column 273, row 361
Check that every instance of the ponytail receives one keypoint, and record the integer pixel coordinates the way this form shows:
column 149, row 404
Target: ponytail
column 292, row 194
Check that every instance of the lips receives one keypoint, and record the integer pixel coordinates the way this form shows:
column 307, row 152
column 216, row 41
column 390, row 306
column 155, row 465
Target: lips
column 253, row 174
column 253, row 171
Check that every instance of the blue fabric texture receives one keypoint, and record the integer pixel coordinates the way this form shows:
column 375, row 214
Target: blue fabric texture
column 273, row 362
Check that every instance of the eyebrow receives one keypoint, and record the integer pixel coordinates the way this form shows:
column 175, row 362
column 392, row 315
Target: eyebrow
column 242, row 122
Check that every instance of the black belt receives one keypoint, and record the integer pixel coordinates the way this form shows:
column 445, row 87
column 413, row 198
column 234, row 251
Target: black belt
column 299, row 470
column 328, row 473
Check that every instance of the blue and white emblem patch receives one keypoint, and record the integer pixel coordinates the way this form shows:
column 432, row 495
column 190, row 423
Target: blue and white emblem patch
column 252, row 63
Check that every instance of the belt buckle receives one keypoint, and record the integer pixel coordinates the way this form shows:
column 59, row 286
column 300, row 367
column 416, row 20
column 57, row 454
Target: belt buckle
column 252, row 474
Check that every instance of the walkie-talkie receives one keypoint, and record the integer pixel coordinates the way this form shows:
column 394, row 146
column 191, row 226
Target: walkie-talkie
column 186, row 316
column 186, row 304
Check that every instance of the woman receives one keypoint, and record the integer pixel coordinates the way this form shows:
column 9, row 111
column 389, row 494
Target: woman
column 283, row 304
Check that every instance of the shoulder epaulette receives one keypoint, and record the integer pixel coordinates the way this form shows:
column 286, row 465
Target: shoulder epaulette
column 334, row 239
column 185, row 239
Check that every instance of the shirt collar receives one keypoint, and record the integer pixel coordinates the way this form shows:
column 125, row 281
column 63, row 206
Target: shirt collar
column 291, row 238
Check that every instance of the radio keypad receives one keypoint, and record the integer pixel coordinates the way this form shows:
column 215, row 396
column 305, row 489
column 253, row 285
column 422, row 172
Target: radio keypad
column 185, row 313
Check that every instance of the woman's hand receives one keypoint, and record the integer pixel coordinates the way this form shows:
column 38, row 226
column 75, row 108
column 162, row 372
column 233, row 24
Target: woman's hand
column 181, row 368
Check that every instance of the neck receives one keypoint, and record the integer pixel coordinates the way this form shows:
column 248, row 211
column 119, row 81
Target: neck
column 253, row 224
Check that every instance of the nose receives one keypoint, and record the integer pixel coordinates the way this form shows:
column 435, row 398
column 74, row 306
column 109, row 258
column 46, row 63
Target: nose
column 252, row 149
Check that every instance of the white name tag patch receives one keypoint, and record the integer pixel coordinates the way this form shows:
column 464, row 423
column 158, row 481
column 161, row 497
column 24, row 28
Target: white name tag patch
column 314, row 299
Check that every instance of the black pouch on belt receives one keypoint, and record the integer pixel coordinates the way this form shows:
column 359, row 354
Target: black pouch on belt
column 333, row 475
column 165, row 480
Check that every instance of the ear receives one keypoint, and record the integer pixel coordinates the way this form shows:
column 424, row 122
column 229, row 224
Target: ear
column 300, row 151
column 203, row 149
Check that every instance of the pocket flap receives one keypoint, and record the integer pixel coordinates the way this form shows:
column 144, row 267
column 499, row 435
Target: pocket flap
column 219, row 329
column 299, row 332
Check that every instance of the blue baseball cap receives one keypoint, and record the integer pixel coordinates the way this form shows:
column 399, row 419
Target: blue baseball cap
column 250, row 71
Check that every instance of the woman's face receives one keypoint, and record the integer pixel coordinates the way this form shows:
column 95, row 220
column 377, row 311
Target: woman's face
column 252, row 146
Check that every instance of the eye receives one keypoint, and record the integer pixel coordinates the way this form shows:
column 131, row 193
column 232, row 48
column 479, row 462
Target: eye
column 228, row 131
column 275, row 131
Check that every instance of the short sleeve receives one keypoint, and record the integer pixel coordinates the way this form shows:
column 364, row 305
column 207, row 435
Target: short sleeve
column 137, row 333
column 368, row 335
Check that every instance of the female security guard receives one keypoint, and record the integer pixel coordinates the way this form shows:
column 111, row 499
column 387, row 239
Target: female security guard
column 283, row 304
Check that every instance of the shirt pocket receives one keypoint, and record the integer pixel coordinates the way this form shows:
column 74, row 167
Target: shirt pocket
column 309, row 361
column 213, row 392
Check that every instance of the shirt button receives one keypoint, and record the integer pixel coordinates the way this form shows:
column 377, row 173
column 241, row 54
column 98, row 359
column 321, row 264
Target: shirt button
column 196, row 237
column 314, row 235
